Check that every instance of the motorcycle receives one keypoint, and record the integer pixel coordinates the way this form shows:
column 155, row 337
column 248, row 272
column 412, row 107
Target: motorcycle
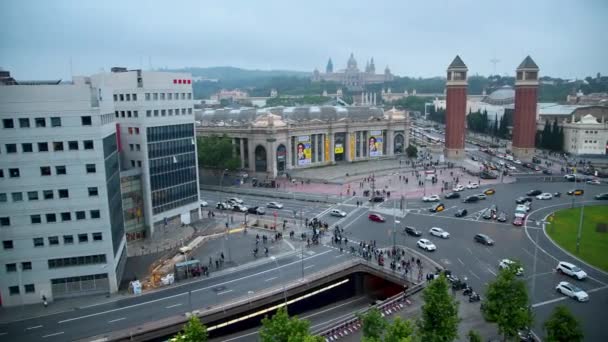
column 557, row 194
column 467, row 291
column 474, row 297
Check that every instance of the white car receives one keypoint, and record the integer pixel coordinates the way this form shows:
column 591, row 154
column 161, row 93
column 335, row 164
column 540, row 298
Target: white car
column 517, row 161
column 458, row 187
column 506, row 263
column 509, row 157
column 426, row 245
column 436, row 231
column 337, row 212
column 571, row 270
column 594, row 182
column 544, row 196
column 520, row 213
column 203, row 203
column 473, row 186
column 481, row 196
column 235, row 200
column 511, row 167
column 523, row 207
column 275, row 205
column 432, row 198
column 572, row 291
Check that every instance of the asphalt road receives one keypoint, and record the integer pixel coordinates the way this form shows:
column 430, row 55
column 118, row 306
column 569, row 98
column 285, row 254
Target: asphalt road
column 176, row 300
column 479, row 263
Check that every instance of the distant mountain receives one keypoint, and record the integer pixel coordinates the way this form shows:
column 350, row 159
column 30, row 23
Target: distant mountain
column 232, row 74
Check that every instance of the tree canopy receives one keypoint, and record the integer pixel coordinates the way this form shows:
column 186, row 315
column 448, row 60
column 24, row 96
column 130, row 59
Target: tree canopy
column 551, row 137
column 411, row 151
column 193, row 331
column 439, row 320
column 217, row 152
column 282, row 328
column 562, row 326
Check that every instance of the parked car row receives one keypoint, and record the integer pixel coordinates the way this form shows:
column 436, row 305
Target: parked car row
column 237, row 204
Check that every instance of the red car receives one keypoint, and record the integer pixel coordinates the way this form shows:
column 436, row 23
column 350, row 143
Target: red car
column 376, row 218
column 519, row 221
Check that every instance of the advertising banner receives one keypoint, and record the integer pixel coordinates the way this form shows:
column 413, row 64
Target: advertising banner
column 352, row 146
column 375, row 144
column 326, row 149
column 338, row 148
column 304, row 150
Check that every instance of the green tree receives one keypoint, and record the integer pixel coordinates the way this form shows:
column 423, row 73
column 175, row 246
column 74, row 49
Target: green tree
column 399, row 330
column 411, row 151
column 546, row 136
column 560, row 139
column 562, row 326
column 217, row 152
column 439, row 321
column 506, row 302
column 193, row 331
column 555, row 146
column 282, row 328
column 474, row 336
column 373, row 325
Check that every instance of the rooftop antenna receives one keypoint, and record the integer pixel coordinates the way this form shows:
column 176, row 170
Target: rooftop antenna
column 494, row 61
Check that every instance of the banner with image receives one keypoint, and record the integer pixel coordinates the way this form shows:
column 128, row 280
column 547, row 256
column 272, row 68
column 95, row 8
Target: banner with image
column 375, row 144
column 352, row 146
column 304, row 150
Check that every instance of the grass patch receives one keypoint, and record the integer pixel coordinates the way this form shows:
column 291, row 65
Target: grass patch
column 594, row 244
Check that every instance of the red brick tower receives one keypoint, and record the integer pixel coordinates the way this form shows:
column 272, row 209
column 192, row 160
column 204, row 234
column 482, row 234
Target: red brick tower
column 524, row 120
column 456, row 108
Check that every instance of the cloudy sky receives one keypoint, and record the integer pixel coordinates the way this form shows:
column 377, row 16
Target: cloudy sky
column 415, row 38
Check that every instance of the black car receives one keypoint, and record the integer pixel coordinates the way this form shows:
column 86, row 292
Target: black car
column 484, row 239
column 603, row 196
column 256, row 210
column 534, row 192
column 522, row 200
column 451, row 195
column 412, row 231
column 471, row 199
column 547, row 172
column 461, row 213
column 487, row 214
column 377, row 199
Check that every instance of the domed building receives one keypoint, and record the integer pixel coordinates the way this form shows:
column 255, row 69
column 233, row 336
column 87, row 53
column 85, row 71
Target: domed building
column 271, row 141
column 503, row 96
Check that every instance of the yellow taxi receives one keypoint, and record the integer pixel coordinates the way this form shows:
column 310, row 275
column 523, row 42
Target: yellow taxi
column 489, row 192
column 437, row 208
column 576, row 192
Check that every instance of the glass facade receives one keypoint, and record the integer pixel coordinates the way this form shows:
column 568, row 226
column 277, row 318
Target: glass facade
column 110, row 153
column 133, row 207
column 172, row 154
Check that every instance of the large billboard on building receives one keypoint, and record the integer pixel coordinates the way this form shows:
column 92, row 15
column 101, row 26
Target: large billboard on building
column 327, row 149
column 375, row 144
column 304, row 150
column 352, row 146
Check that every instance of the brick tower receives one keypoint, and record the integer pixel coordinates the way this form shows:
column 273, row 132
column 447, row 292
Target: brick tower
column 456, row 108
column 524, row 120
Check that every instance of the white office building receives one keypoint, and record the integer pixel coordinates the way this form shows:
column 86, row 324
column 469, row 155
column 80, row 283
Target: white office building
column 61, row 221
column 156, row 137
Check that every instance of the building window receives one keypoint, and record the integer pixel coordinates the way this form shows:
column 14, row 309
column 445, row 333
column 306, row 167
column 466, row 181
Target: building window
column 27, row 147
column 134, row 96
column 13, row 173
column 95, row 214
column 68, row 239
column 57, row 146
column 189, row 96
column 86, row 120
column 63, row 193
column 139, row 163
column 137, row 147
column 66, row 216
column 122, row 97
column 163, row 112
column 156, row 112
column 137, row 130
column 51, row 218
column 169, row 96
column 29, row 288
column 147, row 96
column 13, row 290
column 11, row 148
column 8, row 123
column 132, row 163
column 116, row 113
column 83, row 238
column 60, row 170
column 7, row 244
column 73, row 145
column 189, row 110
column 170, row 112
column 130, row 130
column 91, row 168
column 55, row 122
column 45, row 170
column 93, row 191
column 77, row 261
column 115, row 97
column 80, row 215
column 128, row 97
column 135, row 114
column 38, row 242
column 183, row 111
column 24, row 123
column 97, row 237
column 155, row 96
column 88, row 144
column 11, row 268
column 162, row 96
column 53, row 240
column 17, row 196
column 148, row 113
column 183, row 96
column 5, row 221
column 26, row 265
column 43, row 147
column 3, row 197
column 131, row 147
column 32, row 195
column 35, row 219
column 47, row 194
column 129, row 113
column 40, row 122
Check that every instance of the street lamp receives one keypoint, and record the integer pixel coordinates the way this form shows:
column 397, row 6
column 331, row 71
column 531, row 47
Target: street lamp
column 580, row 222
column 273, row 258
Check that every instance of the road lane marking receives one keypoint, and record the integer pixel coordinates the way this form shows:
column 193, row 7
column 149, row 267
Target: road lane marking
column 339, row 255
column 490, row 270
column 309, row 266
column 195, row 290
column 173, row 306
column 55, row 334
column 468, row 249
column 116, row 320
column 223, row 292
column 270, row 279
column 34, row 327
column 460, row 261
column 474, row 275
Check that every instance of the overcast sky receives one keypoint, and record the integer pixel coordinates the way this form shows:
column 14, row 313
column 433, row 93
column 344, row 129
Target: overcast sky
column 415, row 38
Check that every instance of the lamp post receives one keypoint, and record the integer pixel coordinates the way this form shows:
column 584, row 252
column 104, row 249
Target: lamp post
column 580, row 222
column 273, row 258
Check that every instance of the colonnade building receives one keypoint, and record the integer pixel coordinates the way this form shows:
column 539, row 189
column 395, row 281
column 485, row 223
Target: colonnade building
column 273, row 141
